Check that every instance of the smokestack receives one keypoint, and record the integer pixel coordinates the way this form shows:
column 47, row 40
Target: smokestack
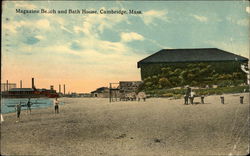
column 51, row 87
column 59, row 88
column 21, row 85
column 7, row 85
column 33, row 83
column 64, row 89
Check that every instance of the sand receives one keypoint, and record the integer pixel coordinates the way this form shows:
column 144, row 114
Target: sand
column 159, row 126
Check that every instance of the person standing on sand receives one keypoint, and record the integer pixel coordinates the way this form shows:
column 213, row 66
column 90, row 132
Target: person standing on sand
column 18, row 111
column 191, row 97
column 2, row 120
column 56, row 104
column 29, row 106
column 187, row 95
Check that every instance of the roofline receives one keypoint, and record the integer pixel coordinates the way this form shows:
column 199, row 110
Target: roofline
column 139, row 62
column 200, row 61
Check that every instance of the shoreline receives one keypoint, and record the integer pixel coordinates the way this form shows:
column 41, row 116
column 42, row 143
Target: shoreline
column 168, row 98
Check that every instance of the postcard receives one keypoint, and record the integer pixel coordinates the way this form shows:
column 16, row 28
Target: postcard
column 125, row 78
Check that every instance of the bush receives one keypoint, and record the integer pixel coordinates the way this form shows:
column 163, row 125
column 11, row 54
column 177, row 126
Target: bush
column 168, row 95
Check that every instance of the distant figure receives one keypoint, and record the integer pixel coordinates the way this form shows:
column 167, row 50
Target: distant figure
column 185, row 100
column 187, row 95
column 222, row 99
column 191, row 97
column 241, row 99
column 56, row 104
column 202, row 99
column 18, row 111
column 2, row 118
column 29, row 106
column 130, row 96
column 142, row 95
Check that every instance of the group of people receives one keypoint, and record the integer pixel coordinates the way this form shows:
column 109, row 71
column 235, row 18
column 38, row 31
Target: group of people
column 29, row 103
column 132, row 96
column 189, row 95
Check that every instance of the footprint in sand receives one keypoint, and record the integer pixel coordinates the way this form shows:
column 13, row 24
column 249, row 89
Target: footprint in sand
column 121, row 136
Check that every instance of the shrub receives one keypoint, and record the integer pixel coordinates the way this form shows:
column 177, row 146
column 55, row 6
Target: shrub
column 168, row 95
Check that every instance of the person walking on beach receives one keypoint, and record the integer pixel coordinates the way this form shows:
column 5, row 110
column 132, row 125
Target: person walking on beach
column 56, row 104
column 18, row 111
column 29, row 106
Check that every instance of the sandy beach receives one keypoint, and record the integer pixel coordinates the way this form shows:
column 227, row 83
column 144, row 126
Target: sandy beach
column 159, row 126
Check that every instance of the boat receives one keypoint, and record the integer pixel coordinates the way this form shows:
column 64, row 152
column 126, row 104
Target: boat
column 32, row 92
column 29, row 93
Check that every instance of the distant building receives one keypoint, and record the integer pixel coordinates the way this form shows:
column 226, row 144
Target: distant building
column 102, row 92
column 221, row 61
column 13, row 92
column 7, row 86
column 84, row 95
column 129, row 86
column 21, row 91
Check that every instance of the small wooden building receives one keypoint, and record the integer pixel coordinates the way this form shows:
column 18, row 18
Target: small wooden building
column 102, row 92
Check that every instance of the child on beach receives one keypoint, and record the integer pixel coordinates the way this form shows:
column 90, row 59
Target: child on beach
column 56, row 104
column 29, row 106
column 18, row 110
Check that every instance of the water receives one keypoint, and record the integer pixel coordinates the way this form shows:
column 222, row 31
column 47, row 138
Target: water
column 8, row 104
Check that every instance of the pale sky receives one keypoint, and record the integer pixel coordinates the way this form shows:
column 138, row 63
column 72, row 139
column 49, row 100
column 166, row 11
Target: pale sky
column 90, row 51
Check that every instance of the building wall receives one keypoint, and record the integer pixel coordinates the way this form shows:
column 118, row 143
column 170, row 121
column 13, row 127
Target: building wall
column 219, row 67
column 100, row 95
column 103, row 95
column 129, row 86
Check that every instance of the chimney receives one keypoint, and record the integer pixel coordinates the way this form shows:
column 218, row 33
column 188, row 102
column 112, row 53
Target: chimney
column 59, row 88
column 33, row 83
column 21, row 85
column 51, row 87
column 7, row 85
column 64, row 89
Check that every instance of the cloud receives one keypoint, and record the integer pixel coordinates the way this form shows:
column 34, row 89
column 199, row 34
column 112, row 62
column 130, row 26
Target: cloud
column 86, row 28
column 150, row 16
column 93, row 24
column 25, row 5
column 43, row 24
column 234, row 47
column 241, row 22
column 76, row 45
column 159, row 45
column 65, row 29
column 200, row 18
column 127, row 37
column 12, row 26
column 31, row 40
column 40, row 37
